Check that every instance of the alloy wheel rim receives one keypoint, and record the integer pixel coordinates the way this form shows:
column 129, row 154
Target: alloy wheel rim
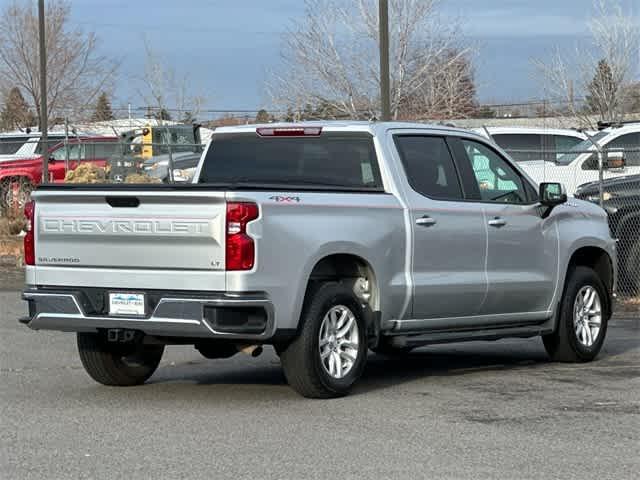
column 338, row 341
column 587, row 316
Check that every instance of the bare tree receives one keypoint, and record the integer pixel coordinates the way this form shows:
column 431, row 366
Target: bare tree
column 449, row 91
column 601, row 70
column 161, row 87
column 330, row 57
column 76, row 74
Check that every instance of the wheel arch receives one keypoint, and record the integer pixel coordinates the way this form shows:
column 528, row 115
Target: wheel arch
column 13, row 176
column 360, row 273
column 339, row 266
column 599, row 260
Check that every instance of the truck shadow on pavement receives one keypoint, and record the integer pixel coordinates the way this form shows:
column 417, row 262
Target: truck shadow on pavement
column 452, row 360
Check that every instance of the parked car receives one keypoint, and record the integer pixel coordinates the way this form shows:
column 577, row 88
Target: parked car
column 147, row 150
column 621, row 158
column 526, row 144
column 19, row 145
column 18, row 177
column 621, row 200
column 184, row 166
column 324, row 240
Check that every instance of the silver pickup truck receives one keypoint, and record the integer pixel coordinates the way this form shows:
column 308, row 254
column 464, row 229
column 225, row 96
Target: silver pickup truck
column 323, row 240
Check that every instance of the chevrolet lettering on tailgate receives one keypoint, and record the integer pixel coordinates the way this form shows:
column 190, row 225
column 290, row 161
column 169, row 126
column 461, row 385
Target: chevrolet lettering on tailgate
column 125, row 226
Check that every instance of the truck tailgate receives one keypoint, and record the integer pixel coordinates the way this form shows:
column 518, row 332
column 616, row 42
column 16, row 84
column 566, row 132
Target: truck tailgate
column 137, row 231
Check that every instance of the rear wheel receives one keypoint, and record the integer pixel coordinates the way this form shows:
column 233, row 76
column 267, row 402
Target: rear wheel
column 329, row 354
column 118, row 364
column 582, row 322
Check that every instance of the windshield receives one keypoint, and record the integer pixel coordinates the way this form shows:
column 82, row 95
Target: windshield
column 329, row 160
column 582, row 147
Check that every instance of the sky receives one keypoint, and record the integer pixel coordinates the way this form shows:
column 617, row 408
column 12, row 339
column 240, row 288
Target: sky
column 227, row 47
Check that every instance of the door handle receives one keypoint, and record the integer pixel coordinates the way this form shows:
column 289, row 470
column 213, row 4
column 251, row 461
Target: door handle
column 497, row 222
column 426, row 221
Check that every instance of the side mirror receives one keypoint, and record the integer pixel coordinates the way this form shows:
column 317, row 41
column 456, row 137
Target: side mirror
column 552, row 194
column 615, row 160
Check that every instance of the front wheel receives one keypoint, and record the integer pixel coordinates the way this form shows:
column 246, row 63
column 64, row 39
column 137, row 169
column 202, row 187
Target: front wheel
column 582, row 321
column 118, row 364
column 329, row 354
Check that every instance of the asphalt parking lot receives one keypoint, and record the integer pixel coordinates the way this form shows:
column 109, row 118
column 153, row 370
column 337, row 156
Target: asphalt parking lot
column 476, row 411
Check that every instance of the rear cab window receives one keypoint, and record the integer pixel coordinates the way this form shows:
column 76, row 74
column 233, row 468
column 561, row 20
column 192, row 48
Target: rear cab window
column 330, row 160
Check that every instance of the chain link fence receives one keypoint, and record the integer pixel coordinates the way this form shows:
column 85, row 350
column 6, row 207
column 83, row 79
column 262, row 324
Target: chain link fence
column 167, row 152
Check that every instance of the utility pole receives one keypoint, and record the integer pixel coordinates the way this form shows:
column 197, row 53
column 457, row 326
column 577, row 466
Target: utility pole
column 385, row 93
column 44, row 144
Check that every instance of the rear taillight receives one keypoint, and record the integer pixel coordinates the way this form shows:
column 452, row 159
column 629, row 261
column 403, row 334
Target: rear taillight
column 29, row 238
column 241, row 250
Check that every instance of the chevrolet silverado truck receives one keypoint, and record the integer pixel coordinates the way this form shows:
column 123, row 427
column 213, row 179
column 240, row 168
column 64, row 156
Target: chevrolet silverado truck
column 324, row 240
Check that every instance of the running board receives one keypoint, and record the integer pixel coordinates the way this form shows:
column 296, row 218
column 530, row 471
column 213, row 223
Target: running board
column 471, row 335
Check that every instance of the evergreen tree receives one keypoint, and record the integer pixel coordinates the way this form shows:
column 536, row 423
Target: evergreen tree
column 263, row 116
column 16, row 113
column 103, row 111
column 603, row 94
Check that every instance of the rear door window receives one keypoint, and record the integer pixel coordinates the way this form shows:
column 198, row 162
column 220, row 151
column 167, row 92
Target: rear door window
column 332, row 160
column 520, row 146
column 564, row 143
column 429, row 166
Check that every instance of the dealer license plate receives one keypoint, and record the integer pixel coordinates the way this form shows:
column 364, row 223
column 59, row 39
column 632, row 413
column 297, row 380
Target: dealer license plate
column 121, row 303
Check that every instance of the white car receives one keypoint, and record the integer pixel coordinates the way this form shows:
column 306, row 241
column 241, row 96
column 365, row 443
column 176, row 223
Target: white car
column 529, row 143
column 581, row 166
column 18, row 145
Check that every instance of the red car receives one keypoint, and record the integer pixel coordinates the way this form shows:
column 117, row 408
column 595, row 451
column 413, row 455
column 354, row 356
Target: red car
column 19, row 177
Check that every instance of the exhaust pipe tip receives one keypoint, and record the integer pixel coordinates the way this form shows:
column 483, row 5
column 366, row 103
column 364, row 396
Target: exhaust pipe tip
column 251, row 350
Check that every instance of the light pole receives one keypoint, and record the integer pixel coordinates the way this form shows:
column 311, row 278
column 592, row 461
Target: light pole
column 44, row 144
column 385, row 94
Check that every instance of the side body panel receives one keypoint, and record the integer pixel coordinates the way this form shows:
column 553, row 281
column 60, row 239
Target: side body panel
column 294, row 235
column 522, row 260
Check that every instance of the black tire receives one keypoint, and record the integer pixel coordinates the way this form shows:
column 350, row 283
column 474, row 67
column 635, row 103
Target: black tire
column 385, row 348
column 301, row 359
column 114, row 364
column 563, row 345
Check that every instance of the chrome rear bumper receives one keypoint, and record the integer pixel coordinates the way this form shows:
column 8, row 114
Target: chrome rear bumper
column 172, row 316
